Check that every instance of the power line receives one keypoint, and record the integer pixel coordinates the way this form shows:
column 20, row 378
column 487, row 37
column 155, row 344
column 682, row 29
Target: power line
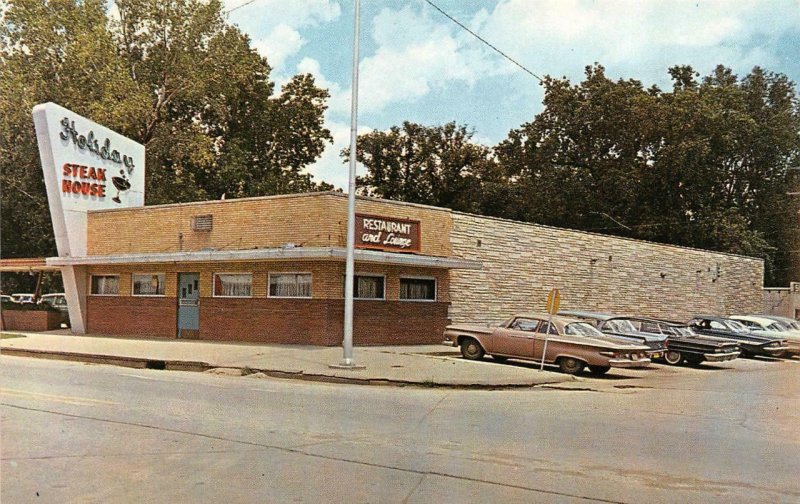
column 248, row 2
column 506, row 56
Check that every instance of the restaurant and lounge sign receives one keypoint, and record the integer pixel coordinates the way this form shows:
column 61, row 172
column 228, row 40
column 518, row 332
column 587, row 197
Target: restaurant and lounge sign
column 387, row 233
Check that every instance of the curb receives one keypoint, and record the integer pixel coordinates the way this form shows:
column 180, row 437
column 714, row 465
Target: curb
column 197, row 366
column 113, row 360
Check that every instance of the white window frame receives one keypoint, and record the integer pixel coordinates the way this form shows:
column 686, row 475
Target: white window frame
column 91, row 283
column 133, row 283
column 214, row 282
column 278, row 273
column 435, row 289
column 375, row 275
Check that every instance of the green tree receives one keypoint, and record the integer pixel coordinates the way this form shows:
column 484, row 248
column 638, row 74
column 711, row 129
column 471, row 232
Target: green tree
column 172, row 75
column 434, row 165
column 704, row 165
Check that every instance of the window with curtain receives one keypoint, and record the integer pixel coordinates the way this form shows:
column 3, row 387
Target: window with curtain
column 368, row 287
column 105, row 285
column 233, row 284
column 148, row 284
column 290, row 285
column 418, row 289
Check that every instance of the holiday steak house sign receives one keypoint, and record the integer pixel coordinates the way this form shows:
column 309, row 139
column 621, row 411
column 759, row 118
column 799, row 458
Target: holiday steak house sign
column 93, row 166
column 386, row 233
column 86, row 167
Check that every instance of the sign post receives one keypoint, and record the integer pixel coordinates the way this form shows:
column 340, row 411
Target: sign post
column 553, row 302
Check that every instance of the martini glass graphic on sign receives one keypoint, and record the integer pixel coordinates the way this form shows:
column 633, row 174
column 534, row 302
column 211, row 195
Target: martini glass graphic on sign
column 122, row 184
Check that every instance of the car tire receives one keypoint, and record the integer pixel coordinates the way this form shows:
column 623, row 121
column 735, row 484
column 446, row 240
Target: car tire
column 672, row 357
column 694, row 360
column 599, row 370
column 499, row 358
column 471, row 349
column 570, row 365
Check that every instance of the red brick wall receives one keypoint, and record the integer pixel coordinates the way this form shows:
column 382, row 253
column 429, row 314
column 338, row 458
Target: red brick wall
column 29, row 320
column 319, row 321
column 132, row 316
column 268, row 320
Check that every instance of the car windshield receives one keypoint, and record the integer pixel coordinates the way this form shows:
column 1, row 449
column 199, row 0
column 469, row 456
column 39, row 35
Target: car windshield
column 736, row 326
column 683, row 331
column 581, row 329
column 620, row 326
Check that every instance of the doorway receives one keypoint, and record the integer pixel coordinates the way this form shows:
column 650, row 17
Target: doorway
column 189, row 305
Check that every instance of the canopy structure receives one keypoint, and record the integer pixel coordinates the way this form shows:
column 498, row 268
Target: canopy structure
column 26, row 265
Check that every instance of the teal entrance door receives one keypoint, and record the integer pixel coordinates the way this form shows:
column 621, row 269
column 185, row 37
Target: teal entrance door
column 188, row 305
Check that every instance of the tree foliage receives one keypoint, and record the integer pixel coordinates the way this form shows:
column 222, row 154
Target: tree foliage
column 437, row 165
column 173, row 75
column 705, row 164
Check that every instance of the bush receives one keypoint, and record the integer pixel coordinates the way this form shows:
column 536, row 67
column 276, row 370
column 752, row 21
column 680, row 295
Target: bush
column 28, row 307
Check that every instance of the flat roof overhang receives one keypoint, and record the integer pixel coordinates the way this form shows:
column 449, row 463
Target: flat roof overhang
column 26, row 265
column 296, row 253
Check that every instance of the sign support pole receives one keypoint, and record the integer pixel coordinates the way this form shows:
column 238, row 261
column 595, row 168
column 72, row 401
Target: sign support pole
column 553, row 302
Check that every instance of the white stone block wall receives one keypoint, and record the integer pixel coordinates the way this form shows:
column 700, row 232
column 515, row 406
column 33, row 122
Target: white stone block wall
column 522, row 262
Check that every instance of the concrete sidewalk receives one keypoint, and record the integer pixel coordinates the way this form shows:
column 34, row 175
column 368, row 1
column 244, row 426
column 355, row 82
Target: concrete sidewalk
column 430, row 365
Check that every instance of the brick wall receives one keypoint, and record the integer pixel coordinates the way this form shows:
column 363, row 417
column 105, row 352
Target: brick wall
column 310, row 220
column 315, row 321
column 319, row 321
column 154, row 317
column 522, row 262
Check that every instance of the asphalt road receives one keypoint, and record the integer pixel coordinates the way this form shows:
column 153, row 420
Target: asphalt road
column 88, row 433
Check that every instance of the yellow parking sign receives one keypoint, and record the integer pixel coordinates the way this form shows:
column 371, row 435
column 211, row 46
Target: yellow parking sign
column 553, row 301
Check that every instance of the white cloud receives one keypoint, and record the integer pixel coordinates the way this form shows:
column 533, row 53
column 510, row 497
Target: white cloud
column 638, row 39
column 282, row 42
column 414, row 56
column 274, row 25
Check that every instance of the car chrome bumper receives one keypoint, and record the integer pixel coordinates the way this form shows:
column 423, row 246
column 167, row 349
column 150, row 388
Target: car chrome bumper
column 628, row 363
column 719, row 357
column 774, row 351
column 449, row 343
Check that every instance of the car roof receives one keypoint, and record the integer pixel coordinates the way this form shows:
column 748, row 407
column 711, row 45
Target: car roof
column 586, row 314
column 778, row 318
column 753, row 318
column 710, row 317
column 556, row 318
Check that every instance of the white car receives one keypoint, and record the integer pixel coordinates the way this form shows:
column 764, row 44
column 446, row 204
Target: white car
column 22, row 298
column 767, row 326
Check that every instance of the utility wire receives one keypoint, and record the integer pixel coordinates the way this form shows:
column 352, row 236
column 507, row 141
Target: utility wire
column 506, row 56
column 248, row 2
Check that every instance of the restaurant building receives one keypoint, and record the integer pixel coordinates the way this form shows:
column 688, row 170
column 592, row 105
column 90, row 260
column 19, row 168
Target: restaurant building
column 271, row 269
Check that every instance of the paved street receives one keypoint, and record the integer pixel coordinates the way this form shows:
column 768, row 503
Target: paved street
column 90, row 433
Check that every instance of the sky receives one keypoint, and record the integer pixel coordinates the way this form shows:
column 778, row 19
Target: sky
column 417, row 65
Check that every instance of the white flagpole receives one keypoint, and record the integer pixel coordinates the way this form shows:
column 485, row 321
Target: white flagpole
column 347, row 343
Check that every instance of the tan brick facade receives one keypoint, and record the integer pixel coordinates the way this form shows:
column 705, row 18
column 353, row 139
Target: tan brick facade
column 522, row 262
column 308, row 220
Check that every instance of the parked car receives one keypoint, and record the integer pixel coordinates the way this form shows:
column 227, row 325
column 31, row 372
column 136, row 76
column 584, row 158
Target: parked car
column 23, row 298
column 750, row 344
column 6, row 299
column 785, row 322
column 765, row 326
column 622, row 328
column 684, row 345
column 59, row 302
column 572, row 344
